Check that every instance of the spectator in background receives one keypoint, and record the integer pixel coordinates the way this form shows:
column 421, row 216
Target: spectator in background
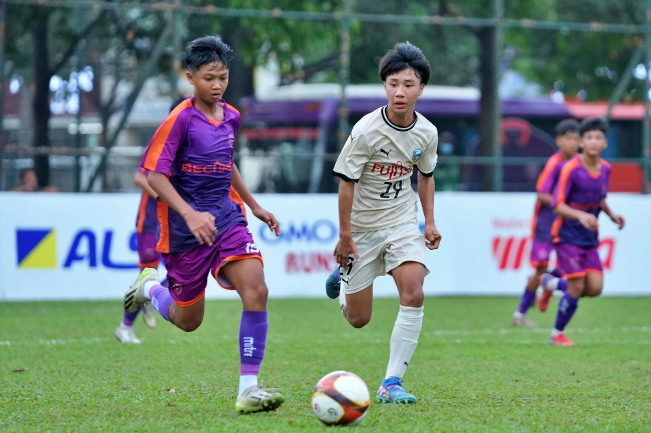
column 446, row 174
column 29, row 183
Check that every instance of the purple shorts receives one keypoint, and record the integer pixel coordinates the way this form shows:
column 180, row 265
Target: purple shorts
column 187, row 271
column 149, row 257
column 540, row 252
column 575, row 261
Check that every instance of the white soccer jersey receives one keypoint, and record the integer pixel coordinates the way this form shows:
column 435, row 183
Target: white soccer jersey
column 380, row 157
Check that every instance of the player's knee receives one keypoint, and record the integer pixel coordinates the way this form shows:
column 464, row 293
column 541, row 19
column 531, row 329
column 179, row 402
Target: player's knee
column 412, row 297
column 191, row 324
column 359, row 321
column 593, row 291
column 258, row 291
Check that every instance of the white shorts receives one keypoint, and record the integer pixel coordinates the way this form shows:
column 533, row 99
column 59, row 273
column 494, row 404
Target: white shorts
column 382, row 251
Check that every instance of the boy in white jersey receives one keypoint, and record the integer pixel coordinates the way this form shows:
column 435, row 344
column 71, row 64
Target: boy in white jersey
column 378, row 228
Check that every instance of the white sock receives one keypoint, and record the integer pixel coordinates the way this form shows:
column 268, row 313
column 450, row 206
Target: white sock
column 555, row 332
column 518, row 314
column 342, row 302
column 552, row 284
column 404, row 340
column 148, row 285
column 247, row 382
column 123, row 326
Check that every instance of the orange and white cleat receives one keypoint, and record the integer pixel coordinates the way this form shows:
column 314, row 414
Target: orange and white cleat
column 560, row 340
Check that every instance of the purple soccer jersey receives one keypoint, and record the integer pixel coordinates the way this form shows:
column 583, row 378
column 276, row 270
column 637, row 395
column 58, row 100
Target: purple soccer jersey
column 580, row 190
column 197, row 155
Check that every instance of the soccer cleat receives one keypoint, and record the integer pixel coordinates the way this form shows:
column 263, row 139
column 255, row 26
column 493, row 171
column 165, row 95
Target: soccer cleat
column 543, row 300
column 560, row 340
column 126, row 335
column 523, row 321
column 391, row 392
column 135, row 296
column 333, row 284
column 148, row 315
column 258, row 399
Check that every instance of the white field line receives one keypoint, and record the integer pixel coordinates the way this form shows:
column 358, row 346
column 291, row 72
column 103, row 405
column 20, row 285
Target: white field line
column 439, row 333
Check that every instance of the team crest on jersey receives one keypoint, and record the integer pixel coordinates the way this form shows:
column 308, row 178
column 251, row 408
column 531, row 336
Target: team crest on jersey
column 417, row 154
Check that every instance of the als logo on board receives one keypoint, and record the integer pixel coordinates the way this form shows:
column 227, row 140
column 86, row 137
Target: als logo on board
column 36, row 248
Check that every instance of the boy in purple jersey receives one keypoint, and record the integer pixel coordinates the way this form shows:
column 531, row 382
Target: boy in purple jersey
column 567, row 139
column 203, row 231
column 579, row 197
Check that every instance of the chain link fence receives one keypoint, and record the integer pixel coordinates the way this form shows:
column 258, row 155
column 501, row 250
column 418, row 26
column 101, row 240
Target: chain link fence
column 82, row 113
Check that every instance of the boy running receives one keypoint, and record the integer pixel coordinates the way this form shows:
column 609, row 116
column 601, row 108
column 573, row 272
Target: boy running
column 567, row 140
column 378, row 228
column 579, row 197
column 203, row 231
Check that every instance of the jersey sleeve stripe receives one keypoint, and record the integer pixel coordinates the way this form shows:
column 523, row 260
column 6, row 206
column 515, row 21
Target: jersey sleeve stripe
column 160, row 138
column 230, row 107
column 549, row 167
column 163, row 219
column 430, row 174
column 237, row 200
column 344, row 177
column 555, row 229
column 562, row 181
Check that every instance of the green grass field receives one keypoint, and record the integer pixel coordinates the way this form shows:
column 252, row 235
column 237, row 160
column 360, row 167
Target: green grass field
column 61, row 368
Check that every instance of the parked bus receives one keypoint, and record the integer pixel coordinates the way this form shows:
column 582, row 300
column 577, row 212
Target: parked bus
column 288, row 140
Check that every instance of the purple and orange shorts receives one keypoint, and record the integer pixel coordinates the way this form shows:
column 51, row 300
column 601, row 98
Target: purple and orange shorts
column 540, row 252
column 575, row 261
column 187, row 271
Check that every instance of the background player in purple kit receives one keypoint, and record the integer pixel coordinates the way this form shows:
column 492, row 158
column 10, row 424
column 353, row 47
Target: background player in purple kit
column 203, row 231
column 567, row 139
column 147, row 236
column 579, row 197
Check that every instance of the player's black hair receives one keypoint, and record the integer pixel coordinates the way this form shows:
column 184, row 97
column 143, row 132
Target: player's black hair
column 403, row 56
column 206, row 51
column 567, row 126
column 592, row 124
column 177, row 101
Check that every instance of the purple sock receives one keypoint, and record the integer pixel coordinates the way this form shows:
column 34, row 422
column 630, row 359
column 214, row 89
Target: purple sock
column 161, row 300
column 562, row 285
column 526, row 301
column 566, row 309
column 556, row 273
column 253, row 339
column 164, row 283
column 128, row 318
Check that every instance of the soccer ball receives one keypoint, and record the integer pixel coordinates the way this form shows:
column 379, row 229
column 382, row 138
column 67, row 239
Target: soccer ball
column 341, row 398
